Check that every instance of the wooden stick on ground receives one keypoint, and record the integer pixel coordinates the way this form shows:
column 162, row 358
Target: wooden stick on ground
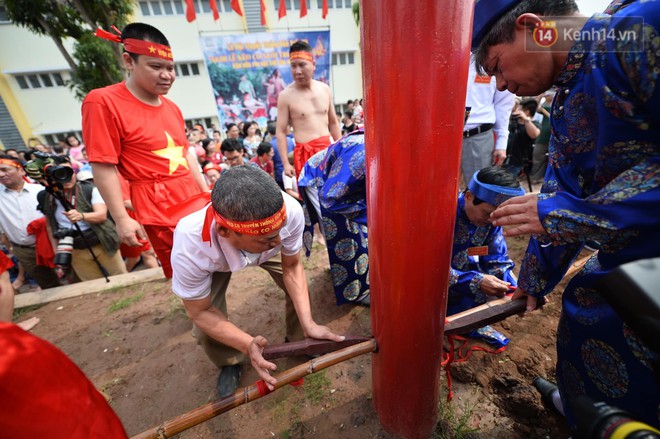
column 252, row 392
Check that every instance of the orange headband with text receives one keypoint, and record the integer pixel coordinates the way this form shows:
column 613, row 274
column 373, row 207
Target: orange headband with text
column 137, row 47
column 306, row 56
column 10, row 163
column 254, row 227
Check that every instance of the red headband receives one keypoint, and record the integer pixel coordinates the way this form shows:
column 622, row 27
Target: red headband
column 137, row 47
column 306, row 56
column 10, row 163
column 255, row 227
column 211, row 167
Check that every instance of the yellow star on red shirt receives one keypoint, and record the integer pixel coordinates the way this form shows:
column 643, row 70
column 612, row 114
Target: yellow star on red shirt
column 173, row 153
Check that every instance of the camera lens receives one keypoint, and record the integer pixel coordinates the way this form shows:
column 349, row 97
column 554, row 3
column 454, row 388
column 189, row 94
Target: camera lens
column 61, row 174
column 63, row 253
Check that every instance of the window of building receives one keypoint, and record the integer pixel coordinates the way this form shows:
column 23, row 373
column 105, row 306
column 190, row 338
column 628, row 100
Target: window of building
column 186, row 69
column 178, row 7
column 39, row 80
column 53, row 139
column 343, row 58
column 335, row 4
column 3, row 14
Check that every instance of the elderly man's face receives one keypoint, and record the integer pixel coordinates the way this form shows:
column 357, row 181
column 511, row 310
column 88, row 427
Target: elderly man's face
column 520, row 67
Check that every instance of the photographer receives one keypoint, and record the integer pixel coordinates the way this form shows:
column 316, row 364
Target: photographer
column 18, row 208
column 91, row 215
column 522, row 132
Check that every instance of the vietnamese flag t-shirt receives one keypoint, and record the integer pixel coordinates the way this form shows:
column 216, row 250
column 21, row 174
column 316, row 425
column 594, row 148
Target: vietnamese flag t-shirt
column 148, row 145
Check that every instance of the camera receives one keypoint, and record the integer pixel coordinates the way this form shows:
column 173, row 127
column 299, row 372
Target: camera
column 45, row 166
column 598, row 420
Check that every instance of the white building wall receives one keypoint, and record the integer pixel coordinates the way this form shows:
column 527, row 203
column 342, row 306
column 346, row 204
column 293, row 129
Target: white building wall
column 55, row 109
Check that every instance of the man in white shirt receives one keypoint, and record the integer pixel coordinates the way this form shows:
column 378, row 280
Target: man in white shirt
column 18, row 208
column 486, row 131
column 250, row 222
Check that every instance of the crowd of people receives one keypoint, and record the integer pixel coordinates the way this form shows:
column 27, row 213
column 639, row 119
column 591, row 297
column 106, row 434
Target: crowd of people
column 211, row 203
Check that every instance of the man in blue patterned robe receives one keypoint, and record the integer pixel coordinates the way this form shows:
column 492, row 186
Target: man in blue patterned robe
column 602, row 183
column 480, row 264
column 338, row 173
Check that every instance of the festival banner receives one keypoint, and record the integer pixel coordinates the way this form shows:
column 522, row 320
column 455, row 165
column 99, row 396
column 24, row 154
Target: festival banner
column 249, row 71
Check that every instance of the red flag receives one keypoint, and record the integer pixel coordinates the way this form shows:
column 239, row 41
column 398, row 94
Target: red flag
column 214, row 8
column 236, row 6
column 303, row 8
column 190, row 10
column 263, row 12
column 281, row 12
column 325, row 9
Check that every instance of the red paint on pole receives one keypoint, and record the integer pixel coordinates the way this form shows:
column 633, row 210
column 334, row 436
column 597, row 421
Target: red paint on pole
column 415, row 61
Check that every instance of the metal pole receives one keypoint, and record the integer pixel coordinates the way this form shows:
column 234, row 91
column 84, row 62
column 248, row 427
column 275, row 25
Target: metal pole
column 415, row 57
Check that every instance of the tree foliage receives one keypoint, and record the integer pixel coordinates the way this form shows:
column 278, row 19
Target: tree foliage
column 94, row 63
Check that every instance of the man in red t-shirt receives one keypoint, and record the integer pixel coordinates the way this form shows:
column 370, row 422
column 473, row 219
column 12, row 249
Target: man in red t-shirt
column 130, row 128
column 264, row 159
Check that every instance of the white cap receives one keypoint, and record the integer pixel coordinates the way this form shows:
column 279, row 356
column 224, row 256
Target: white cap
column 84, row 175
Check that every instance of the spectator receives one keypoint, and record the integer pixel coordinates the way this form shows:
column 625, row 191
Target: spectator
column 251, row 139
column 154, row 157
column 348, row 125
column 18, row 208
column 233, row 152
column 486, row 130
column 540, row 153
column 232, row 131
column 90, row 214
column 522, row 132
column 277, row 159
column 264, row 158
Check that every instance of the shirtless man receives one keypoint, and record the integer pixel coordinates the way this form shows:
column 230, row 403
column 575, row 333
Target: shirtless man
column 307, row 105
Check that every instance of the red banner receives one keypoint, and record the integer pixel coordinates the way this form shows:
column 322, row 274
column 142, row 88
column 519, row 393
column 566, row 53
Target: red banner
column 281, row 12
column 214, row 8
column 236, row 6
column 190, row 11
column 263, row 12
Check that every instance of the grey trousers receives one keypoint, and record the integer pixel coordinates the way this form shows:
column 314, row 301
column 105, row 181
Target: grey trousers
column 223, row 355
column 539, row 161
column 477, row 153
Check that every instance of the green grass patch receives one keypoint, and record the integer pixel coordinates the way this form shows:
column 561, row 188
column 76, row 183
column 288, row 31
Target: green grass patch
column 124, row 302
column 19, row 312
column 453, row 421
column 317, row 386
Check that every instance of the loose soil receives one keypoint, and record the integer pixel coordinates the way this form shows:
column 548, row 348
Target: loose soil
column 135, row 344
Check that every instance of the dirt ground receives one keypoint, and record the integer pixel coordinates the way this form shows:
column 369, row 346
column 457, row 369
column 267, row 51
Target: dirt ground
column 135, row 344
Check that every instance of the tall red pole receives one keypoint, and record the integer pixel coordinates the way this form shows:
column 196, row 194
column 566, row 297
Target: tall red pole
column 415, row 60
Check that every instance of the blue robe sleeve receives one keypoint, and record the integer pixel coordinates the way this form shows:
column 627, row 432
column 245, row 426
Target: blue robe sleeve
column 344, row 190
column 497, row 262
column 610, row 194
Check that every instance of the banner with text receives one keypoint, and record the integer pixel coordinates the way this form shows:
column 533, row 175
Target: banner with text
column 249, row 71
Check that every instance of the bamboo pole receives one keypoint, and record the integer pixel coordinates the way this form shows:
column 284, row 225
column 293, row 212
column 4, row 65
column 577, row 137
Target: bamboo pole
column 247, row 394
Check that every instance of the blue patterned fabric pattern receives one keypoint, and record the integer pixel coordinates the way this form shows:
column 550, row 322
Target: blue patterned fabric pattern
column 339, row 174
column 602, row 184
column 467, row 271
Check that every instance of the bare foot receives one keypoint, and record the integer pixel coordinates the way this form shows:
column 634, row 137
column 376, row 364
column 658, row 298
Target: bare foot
column 29, row 323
